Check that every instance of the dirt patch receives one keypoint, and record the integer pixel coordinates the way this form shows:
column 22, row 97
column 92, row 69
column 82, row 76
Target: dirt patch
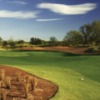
column 57, row 48
column 16, row 84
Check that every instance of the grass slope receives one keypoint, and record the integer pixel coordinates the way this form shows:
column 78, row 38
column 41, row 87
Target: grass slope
column 77, row 76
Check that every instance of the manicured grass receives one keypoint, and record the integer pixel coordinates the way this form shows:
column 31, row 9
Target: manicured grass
column 78, row 76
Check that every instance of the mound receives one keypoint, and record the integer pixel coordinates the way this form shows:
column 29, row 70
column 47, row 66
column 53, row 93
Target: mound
column 56, row 48
column 16, row 84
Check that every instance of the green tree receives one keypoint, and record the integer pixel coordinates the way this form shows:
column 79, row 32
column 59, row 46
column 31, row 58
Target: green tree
column 20, row 43
column 91, row 32
column 35, row 41
column 52, row 41
column 73, row 38
column 4, row 44
column 12, row 44
column 96, row 32
column 87, row 33
column 1, row 41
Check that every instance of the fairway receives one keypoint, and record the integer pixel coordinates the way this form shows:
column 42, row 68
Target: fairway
column 77, row 76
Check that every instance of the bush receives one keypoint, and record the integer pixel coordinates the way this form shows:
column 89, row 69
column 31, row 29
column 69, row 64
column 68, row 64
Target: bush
column 95, row 49
column 90, row 50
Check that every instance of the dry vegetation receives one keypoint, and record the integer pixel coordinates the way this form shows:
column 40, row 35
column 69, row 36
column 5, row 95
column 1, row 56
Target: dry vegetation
column 57, row 48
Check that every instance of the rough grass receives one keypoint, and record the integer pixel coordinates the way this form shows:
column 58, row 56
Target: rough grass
column 78, row 76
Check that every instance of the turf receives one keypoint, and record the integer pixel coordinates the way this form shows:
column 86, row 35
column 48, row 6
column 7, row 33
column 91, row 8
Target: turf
column 78, row 76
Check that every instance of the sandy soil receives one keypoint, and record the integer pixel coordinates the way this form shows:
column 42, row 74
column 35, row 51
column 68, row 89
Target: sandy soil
column 58, row 48
column 43, row 90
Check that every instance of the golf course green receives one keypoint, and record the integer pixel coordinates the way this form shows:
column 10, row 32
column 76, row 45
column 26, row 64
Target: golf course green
column 77, row 76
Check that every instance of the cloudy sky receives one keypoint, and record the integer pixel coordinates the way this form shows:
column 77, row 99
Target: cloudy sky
column 23, row 19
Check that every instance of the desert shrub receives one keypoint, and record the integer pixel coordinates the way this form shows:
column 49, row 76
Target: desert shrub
column 93, row 49
column 90, row 50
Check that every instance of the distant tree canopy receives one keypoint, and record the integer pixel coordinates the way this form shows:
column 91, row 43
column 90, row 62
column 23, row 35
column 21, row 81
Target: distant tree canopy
column 96, row 31
column 4, row 44
column 20, row 41
column 35, row 41
column 1, row 41
column 88, row 34
column 73, row 38
column 86, row 31
column 52, row 41
column 91, row 32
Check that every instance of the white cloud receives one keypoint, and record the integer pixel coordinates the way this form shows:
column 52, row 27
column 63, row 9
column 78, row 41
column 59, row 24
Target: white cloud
column 18, row 2
column 46, row 20
column 17, row 14
column 68, row 9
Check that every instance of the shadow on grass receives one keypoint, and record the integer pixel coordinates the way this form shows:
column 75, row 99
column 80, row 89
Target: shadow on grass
column 63, row 53
column 70, row 54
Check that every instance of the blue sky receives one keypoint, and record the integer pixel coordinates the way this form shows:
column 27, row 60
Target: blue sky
column 23, row 19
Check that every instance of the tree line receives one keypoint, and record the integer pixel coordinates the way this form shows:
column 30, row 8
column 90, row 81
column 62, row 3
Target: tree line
column 11, row 43
column 88, row 35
